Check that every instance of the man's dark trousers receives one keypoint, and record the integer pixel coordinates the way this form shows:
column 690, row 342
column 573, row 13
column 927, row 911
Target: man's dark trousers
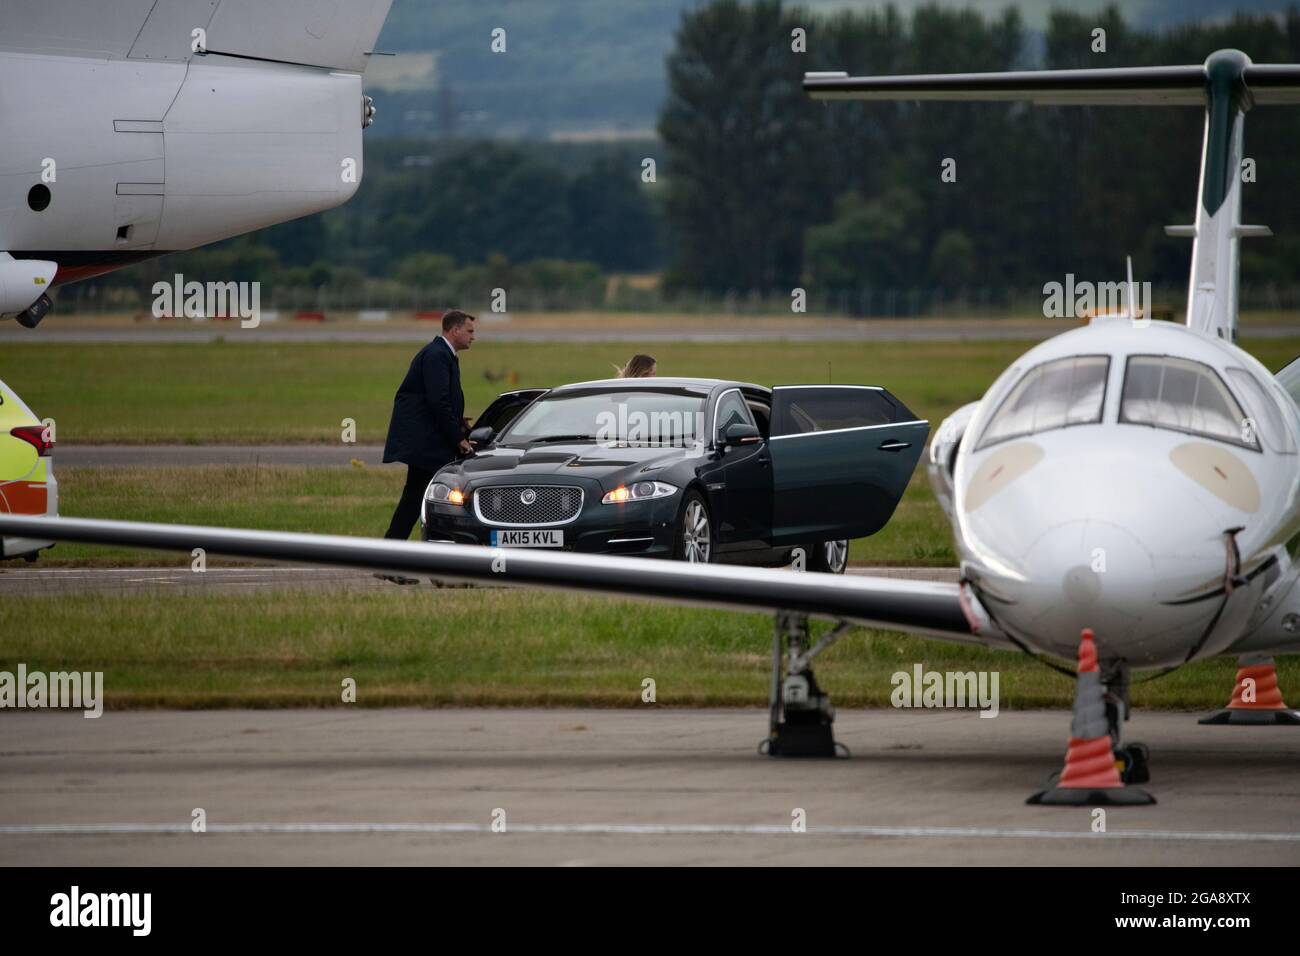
column 408, row 506
column 425, row 431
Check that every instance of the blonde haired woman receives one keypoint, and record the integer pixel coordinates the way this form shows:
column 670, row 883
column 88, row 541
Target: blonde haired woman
column 639, row 366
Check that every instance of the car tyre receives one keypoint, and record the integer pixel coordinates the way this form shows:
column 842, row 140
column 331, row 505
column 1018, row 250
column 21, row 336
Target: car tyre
column 829, row 557
column 693, row 535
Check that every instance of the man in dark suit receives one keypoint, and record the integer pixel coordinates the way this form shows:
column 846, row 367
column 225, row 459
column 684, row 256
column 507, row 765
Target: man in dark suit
column 427, row 429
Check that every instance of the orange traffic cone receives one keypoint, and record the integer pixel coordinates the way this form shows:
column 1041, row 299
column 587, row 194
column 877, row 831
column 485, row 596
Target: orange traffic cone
column 1090, row 777
column 1256, row 699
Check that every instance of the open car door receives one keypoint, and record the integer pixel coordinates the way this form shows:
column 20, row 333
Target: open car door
column 505, row 407
column 842, row 456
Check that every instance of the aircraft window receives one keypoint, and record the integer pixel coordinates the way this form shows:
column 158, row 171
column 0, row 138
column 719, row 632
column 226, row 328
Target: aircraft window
column 1268, row 419
column 1184, row 396
column 1056, row 394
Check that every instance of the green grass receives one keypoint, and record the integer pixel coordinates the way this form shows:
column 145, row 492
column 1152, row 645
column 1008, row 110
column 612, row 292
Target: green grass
column 441, row 647
column 428, row 647
column 251, row 392
column 358, row 501
column 354, row 500
column 285, row 393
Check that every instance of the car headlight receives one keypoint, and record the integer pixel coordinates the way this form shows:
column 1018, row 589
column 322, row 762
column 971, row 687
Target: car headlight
column 638, row 491
column 444, row 494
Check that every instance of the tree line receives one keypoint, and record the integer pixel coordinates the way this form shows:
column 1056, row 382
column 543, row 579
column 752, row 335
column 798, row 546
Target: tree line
column 768, row 189
column 755, row 189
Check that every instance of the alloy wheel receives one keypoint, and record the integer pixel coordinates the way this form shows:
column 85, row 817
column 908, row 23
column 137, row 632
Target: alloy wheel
column 696, row 538
column 836, row 555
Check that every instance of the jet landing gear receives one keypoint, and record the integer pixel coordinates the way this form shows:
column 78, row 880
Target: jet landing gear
column 801, row 712
column 1131, row 760
column 1092, row 773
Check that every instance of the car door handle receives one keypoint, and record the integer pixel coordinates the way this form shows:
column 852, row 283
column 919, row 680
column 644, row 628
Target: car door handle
column 894, row 444
column 763, row 460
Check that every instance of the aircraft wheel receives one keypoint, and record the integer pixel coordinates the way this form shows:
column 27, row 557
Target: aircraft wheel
column 1133, row 762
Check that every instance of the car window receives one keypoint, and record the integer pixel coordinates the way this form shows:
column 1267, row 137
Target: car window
column 1184, row 396
column 826, row 408
column 501, row 412
column 731, row 409
column 1056, row 394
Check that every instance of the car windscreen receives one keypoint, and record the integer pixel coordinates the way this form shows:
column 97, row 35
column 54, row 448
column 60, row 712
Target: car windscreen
column 1068, row 391
column 1184, row 396
column 635, row 415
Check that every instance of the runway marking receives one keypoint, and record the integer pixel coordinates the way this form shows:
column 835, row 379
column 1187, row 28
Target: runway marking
column 651, row 829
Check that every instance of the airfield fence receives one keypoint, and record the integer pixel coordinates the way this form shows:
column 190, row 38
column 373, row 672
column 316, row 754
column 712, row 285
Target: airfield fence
column 975, row 302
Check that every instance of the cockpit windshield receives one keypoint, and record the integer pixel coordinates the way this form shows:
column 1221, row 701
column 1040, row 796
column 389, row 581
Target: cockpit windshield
column 1184, row 396
column 1068, row 391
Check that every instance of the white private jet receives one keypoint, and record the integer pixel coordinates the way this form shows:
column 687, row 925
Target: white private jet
column 134, row 128
column 1135, row 478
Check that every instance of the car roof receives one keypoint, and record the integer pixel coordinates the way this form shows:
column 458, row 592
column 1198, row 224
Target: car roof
column 659, row 382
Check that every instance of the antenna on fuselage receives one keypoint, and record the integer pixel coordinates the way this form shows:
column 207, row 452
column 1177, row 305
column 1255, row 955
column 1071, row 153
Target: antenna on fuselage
column 1132, row 292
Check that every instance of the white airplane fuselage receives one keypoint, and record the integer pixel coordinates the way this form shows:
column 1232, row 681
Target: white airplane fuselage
column 1129, row 528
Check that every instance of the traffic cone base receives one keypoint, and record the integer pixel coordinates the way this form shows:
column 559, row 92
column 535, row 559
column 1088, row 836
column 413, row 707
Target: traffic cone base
column 1120, row 796
column 1253, row 718
column 1256, row 700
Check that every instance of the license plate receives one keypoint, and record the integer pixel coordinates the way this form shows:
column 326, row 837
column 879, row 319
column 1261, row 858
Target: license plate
column 527, row 539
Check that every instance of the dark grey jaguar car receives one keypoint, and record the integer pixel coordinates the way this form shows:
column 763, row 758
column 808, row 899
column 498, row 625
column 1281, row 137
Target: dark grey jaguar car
column 696, row 469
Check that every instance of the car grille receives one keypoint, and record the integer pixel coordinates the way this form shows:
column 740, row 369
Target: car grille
column 504, row 505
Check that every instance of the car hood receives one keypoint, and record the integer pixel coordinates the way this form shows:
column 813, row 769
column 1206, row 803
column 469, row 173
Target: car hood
column 610, row 465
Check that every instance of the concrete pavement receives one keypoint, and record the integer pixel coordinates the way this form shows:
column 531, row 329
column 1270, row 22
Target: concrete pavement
column 617, row 787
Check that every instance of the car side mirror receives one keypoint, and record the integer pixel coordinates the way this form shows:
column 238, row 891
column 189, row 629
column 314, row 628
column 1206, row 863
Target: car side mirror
column 480, row 436
column 738, row 433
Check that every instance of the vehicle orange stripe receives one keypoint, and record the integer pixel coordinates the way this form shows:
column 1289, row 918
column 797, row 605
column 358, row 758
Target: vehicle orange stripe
column 24, row 497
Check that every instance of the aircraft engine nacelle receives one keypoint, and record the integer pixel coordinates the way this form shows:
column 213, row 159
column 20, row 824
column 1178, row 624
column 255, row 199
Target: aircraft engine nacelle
column 23, row 282
column 249, row 147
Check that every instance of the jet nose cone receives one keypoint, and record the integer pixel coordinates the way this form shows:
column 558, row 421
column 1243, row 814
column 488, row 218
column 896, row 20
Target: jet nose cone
column 1081, row 586
column 1088, row 573
column 1089, row 541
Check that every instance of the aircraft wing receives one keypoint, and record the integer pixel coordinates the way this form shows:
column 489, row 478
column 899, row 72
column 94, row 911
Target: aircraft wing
column 1268, row 83
column 930, row 609
column 1164, row 85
